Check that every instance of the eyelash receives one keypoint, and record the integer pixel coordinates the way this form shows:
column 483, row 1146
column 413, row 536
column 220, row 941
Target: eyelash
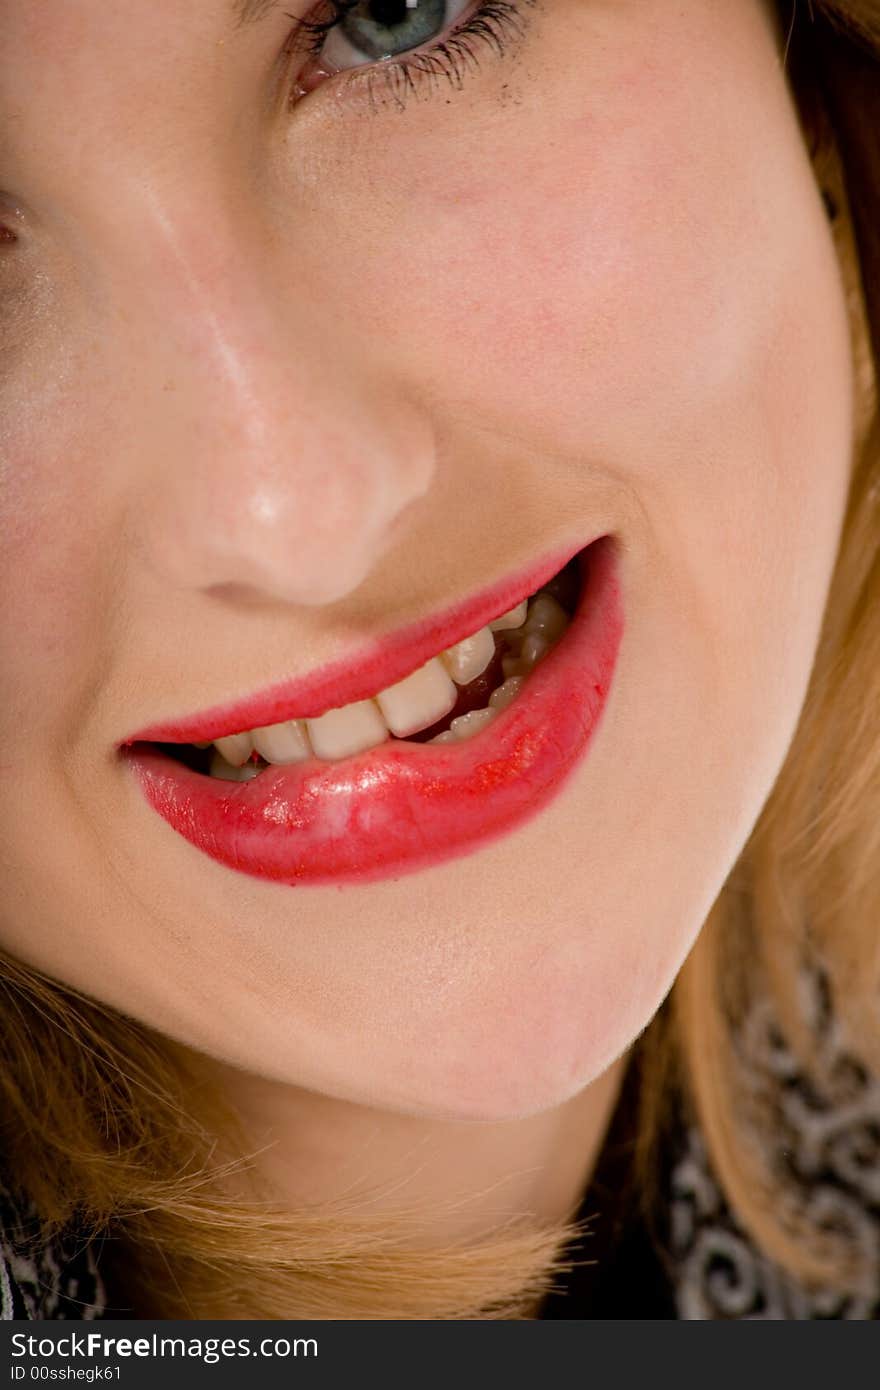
column 493, row 23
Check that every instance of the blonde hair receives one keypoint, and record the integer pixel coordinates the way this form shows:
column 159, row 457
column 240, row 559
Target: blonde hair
column 104, row 1126
column 805, row 892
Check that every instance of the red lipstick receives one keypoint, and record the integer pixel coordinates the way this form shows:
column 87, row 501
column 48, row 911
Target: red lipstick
column 362, row 673
column 402, row 805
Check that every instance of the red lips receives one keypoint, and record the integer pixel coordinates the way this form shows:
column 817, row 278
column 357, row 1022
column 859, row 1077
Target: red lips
column 399, row 806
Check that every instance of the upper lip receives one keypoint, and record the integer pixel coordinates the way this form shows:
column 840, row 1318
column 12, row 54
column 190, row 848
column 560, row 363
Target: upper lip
column 367, row 670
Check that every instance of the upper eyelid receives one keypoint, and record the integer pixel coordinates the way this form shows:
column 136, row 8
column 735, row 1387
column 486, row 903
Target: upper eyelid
column 303, row 26
column 465, row 11
column 496, row 23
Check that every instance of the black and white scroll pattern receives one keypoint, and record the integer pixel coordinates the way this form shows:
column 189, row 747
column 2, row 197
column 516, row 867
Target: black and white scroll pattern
column 828, row 1139
column 830, row 1142
column 58, row 1281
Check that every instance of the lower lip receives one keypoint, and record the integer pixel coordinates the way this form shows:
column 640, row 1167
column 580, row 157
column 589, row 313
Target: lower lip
column 404, row 806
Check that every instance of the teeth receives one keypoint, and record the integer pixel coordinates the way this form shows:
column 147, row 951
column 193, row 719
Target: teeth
column 416, row 702
column 465, row 726
column 514, row 618
column 341, row 732
column 283, row 743
column 419, row 699
column 235, row 749
column 546, row 617
column 512, row 666
column 533, row 648
column 470, row 657
column 501, row 698
column 546, row 623
column 219, row 767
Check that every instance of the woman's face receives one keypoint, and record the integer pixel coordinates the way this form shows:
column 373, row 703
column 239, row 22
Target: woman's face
column 277, row 380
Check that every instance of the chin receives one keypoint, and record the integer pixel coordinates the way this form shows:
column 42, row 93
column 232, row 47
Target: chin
column 510, row 1066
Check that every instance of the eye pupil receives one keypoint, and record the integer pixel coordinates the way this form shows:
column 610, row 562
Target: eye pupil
column 386, row 12
column 385, row 28
column 429, row 39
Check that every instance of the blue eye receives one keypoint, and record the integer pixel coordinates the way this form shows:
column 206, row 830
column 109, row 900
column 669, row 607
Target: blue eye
column 406, row 41
column 375, row 29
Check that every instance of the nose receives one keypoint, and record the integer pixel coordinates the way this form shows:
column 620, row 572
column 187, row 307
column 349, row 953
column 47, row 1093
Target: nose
column 270, row 456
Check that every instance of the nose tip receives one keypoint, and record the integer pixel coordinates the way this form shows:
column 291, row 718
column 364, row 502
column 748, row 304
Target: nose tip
column 285, row 480
column 309, row 544
column 302, row 533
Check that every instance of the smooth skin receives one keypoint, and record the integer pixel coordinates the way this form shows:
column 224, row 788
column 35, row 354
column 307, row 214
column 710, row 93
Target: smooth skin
column 274, row 381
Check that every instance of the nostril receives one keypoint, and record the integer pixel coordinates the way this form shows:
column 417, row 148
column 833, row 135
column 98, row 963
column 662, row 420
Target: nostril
column 239, row 595
column 250, row 572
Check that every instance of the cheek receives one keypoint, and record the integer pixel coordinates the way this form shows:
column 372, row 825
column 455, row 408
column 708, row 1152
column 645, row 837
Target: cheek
column 603, row 305
column 590, row 299
column 606, row 270
column 56, row 580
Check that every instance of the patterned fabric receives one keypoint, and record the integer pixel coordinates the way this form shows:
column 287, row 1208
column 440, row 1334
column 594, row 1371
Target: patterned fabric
column 699, row 1264
column 59, row 1281
column 830, row 1141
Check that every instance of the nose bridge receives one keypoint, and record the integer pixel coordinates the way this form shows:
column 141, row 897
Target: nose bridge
column 265, row 455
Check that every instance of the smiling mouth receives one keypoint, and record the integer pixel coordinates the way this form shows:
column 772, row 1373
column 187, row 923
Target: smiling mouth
column 436, row 780
column 448, row 699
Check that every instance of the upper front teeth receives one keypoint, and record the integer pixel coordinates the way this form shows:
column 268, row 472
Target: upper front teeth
column 468, row 658
column 515, row 617
column 419, row 699
column 414, row 703
column 281, row 743
column 350, row 729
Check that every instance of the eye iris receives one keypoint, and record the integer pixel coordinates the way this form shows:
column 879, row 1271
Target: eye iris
column 384, row 28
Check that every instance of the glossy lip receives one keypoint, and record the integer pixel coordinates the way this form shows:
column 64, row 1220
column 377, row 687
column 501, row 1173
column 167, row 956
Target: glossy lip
column 404, row 806
column 366, row 671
